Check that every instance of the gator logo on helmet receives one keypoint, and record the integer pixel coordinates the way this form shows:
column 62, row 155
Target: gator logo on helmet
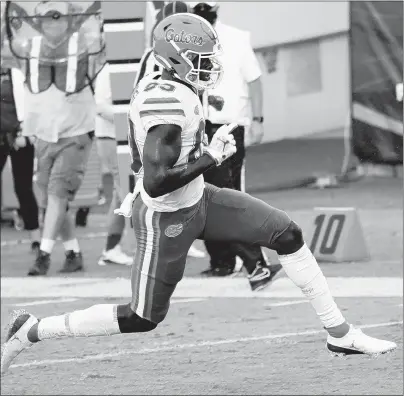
column 185, row 38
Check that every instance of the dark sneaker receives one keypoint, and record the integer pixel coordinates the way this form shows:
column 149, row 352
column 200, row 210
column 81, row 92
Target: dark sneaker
column 41, row 265
column 263, row 276
column 73, row 262
column 81, row 217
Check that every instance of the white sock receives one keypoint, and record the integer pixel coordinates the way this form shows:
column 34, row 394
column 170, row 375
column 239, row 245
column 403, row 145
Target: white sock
column 302, row 269
column 98, row 320
column 47, row 245
column 73, row 244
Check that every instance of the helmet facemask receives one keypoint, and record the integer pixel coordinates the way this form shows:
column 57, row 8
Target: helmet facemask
column 206, row 69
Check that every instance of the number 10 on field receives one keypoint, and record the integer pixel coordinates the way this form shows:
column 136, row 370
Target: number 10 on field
column 337, row 235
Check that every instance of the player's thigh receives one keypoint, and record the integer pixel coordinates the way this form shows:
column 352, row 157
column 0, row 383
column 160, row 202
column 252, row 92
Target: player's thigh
column 238, row 217
column 163, row 240
column 70, row 165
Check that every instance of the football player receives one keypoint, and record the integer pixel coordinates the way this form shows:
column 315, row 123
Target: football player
column 260, row 271
column 172, row 206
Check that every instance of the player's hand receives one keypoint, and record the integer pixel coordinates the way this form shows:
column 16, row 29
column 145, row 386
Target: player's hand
column 223, row 144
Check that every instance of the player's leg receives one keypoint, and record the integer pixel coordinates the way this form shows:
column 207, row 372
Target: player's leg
column 44, row 153
column 255, row 222
column 163, row 241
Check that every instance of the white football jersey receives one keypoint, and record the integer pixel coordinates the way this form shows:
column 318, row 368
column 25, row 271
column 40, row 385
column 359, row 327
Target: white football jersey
column 154, row 102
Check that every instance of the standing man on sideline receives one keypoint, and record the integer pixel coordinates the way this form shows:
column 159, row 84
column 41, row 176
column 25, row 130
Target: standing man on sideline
column 227, row 103
column 59, row 112
column 106, row 148
column 149, row 65
column 21, row 151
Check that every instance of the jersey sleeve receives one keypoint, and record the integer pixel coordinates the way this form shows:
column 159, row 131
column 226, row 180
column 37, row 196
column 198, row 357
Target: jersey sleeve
column 166, row 108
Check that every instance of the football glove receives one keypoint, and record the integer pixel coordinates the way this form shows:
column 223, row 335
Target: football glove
column 223, row 144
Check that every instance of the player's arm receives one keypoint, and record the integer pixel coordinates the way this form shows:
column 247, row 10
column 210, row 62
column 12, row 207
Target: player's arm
column 160, row 153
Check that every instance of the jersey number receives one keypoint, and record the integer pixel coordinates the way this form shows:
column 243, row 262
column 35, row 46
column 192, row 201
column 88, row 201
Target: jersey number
column 197, row 151
column 330, row 240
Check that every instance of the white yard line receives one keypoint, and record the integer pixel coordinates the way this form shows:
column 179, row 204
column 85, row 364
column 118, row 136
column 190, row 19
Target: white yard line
column 286, row 303
column 43, row 302
column 66, row 300
column 53, row 287
column 186, row 300
column 203, row 344
column 24, row 241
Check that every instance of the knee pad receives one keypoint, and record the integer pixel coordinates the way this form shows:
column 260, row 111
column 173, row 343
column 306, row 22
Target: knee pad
column 290, row 241
column 130, row 322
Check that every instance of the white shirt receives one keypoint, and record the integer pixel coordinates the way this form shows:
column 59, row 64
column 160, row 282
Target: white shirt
column 103, row 127
column 52, row 115
column 240, row 68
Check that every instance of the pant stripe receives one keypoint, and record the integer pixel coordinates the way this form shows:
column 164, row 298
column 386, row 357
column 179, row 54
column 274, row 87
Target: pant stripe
column 146, row 262
column 135, row 276
column 153, row 265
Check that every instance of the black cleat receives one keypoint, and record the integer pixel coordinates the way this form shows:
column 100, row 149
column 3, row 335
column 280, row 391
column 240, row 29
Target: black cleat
column 263, row 276
column 73, row 262
column 41, row 265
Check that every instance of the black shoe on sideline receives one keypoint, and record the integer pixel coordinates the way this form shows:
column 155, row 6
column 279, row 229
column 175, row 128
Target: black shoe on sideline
column 73, row 262
column 81, row 217
column 263, row 276
column 41, row 265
